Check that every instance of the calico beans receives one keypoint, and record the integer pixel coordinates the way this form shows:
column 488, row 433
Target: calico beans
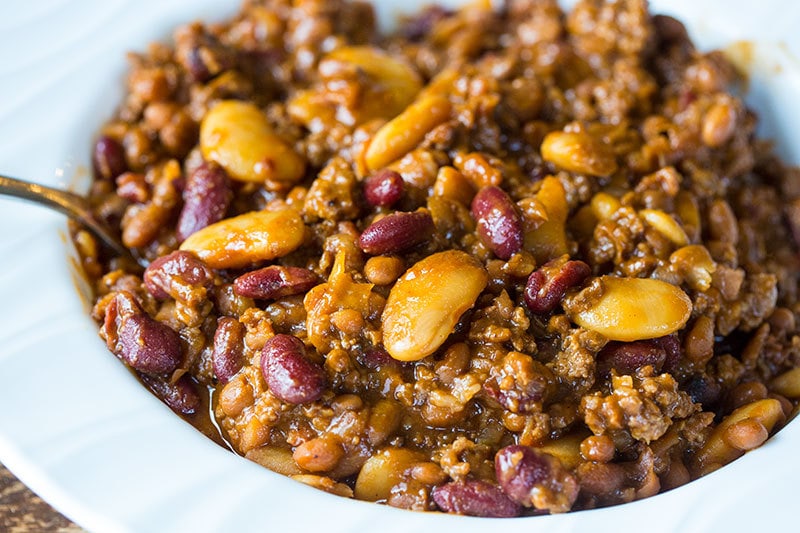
column 499, row 263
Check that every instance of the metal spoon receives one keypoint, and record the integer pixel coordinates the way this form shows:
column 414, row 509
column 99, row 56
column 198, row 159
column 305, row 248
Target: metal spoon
column 74, row 206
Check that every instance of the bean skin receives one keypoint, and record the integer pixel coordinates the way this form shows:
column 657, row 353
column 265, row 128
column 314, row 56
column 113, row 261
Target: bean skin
column 144, row 343
column 275, row 281
column 498, row 220
column 227, row 356
column 547, row 285
column 383, row 188
column 206, row 197
column 290, row 375
column 396, row 233
column 474, row 498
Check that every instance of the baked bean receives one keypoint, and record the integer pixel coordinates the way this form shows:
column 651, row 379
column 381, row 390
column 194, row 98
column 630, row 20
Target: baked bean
column 108, row 159
column 272, row 282
column 396, row 233
column 548, row 284
column 290, row 375
column 142, row 342
column 598, row 448
column 133, row 187
column 719, row 124
column 321, row 454
column 745, row 393
column 474, row 498
column 227, row 356
column 499, row 223
column 205, row 200
column 384, row 188
column 384, row 270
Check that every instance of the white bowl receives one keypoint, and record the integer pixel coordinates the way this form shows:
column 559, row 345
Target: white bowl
column 79, row 429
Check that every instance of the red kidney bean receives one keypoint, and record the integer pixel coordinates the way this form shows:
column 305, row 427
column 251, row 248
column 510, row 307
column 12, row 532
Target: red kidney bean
column 499, row 221
column 181, row 396
column 144, row 343
column 474, row 498
column 548, row 284
column 396, row 232
column 627, row 357
column 108, row 159
column 206, row 196
column 290, row 375
column 518, row 470
column 384, row 188
column 274, row 281
column 177, row 275
column 202, row 55
column 672, row 348
column 227, row 355
column 703, row 390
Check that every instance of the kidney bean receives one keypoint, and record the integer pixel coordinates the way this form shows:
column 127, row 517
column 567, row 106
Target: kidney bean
column 396, row 232
column 202, row 55
column 499, row 221
column 703, row 390
column 274, row 282
column 474, row 498
column 547, row 285
column 418, row 26
column 627, row 357
column 177, row 275
column 227, row 355
column 672, row 348
column 181, row 396
column 290, row 375
column 206, row 196
column 521, row 471
column 108, row 159
column 383, row 188
column 144, row 343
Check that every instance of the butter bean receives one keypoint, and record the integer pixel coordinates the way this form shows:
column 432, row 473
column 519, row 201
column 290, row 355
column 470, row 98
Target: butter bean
column 787, row 384
column 665, row 225
column 425, row 304
column 246, row 239
column 719, row 449
column 578, row 152
column 403, row 133
column 237, row 136
column 630, row 309
column 383, row 471
column 394, row 83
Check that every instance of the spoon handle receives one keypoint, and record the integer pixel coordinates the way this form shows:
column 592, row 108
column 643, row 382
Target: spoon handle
column 67, row 203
